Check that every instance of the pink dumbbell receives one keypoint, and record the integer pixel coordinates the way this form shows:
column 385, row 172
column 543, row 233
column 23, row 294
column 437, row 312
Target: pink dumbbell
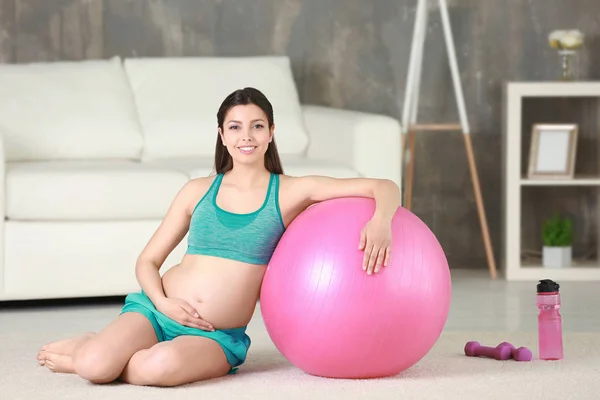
column 501, row 352
column 520, row 354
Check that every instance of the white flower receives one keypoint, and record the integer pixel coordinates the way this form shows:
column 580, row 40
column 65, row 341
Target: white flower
column 570, row 42
column 576, row 33
column 566, row 39
column 556, row 35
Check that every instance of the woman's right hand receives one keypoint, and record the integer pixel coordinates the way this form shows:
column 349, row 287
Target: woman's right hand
column 182, row 312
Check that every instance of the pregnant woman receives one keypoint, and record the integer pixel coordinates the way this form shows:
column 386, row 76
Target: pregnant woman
column 190, row 324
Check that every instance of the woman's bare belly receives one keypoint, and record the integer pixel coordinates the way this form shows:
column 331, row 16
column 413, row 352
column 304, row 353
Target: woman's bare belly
column 224, row 292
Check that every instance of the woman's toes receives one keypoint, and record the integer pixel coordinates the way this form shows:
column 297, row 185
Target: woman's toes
column 41, row 358
column 59, row 363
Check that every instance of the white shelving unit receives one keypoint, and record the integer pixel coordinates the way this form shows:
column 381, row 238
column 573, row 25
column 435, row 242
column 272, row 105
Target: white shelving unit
column 514, row 268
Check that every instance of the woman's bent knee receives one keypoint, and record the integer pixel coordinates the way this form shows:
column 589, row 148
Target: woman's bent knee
column 103, row 358
column 158, row 366
column 94, row 363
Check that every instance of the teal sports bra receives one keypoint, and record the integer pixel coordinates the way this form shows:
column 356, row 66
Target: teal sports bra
column 249, row 238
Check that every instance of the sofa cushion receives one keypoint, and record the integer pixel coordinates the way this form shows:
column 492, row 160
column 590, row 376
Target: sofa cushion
column 197, row 167
column 300, row 166
column 117, row 190
column 193, row 167
column 67, row 110
column 178, row 98
column 89, row 190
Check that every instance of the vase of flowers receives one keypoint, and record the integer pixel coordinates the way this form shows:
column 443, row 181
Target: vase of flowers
column 557, row 236
column 567, row 42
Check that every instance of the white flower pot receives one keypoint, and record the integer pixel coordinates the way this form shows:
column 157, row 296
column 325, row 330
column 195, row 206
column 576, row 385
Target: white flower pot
column 556, row 257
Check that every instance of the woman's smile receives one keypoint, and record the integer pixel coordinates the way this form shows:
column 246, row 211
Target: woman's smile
column 247, row 149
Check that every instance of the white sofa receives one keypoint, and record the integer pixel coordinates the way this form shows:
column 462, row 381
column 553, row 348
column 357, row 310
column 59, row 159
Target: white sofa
column 93, row 153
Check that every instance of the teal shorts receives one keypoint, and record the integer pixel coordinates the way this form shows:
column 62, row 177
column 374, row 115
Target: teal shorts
column 234, row 342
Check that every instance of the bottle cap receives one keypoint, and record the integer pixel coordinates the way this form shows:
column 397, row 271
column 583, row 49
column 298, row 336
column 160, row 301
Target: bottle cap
column 547, row 285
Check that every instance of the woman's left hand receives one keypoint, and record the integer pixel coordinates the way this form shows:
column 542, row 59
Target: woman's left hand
column 376, row 241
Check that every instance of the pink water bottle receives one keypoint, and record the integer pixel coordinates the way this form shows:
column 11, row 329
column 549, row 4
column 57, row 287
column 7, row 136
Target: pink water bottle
column 549, row 321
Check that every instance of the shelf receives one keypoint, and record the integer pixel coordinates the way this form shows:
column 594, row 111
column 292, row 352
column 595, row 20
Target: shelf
column 589, row 180
column 555, row 89
column 531, row 271
column 575, row 102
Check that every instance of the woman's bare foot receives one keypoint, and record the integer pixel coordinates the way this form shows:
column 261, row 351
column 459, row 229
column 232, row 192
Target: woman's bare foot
column 65, row 347
column 58, row 363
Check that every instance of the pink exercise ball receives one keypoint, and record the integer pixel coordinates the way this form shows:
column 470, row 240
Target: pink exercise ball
column 329, row 318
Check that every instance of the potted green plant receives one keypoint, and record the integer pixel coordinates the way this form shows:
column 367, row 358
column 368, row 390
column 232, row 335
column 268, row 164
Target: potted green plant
column 557, row 235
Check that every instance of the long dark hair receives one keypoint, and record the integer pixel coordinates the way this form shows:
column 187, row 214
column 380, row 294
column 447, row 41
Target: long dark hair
column 248, row 95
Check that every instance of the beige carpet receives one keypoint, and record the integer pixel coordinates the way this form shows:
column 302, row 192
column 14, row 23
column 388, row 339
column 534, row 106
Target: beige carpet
column 445, row 373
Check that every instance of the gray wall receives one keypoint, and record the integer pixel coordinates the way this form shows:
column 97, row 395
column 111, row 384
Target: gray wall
column 354, row 54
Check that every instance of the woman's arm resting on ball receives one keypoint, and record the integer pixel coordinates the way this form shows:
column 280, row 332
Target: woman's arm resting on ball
column 168, row 235
column 385, row 192
column 376, row 236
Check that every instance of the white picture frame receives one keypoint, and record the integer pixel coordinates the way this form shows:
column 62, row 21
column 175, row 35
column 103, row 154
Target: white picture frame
column 552, row 151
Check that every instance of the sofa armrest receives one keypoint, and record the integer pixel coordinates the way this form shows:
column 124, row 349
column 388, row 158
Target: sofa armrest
column 368, row 143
